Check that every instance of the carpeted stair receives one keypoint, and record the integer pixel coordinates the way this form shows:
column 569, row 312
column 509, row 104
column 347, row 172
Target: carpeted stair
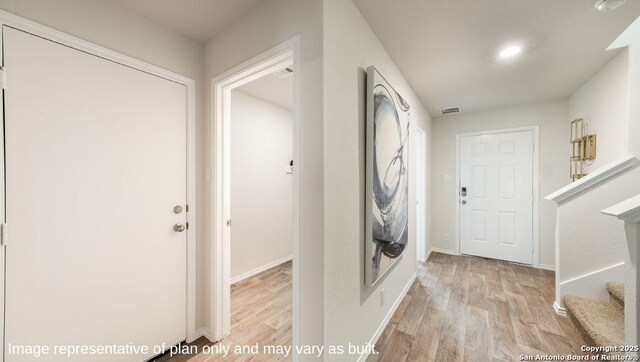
column 616, row 293
column 599, row 323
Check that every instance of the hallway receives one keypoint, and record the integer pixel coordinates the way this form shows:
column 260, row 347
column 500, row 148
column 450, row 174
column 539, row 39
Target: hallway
column 475, row 309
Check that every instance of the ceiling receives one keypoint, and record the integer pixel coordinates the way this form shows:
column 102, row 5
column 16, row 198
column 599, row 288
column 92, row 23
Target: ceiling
column 275, row 90
column 447, row 49
column 196, row 19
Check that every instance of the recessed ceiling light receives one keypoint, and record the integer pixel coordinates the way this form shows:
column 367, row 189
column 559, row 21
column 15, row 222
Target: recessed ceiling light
column 511, row 51
column 604, row 5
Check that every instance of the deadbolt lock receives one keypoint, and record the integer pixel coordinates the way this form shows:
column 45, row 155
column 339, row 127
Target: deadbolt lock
column 178, row 228
column 177, row 209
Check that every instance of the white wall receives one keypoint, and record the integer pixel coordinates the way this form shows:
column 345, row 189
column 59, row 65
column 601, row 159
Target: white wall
column 603, row 103
column 112, row 26
column 353, row 311
column 554, row 163
column 634, row 93
column 630, row 39
column 588, row 240
column 261, row 190
column 267, row 25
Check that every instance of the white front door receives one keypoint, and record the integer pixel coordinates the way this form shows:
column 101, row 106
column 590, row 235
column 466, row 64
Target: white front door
column 496, row 196
column 95, row 163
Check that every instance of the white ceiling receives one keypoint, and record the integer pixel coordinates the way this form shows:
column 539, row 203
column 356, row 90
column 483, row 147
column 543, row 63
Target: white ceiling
column 275, row 90
column 196, row 19
column 447, row 49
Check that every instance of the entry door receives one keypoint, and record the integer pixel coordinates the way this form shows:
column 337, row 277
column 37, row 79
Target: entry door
column 496, row 196
column 95, row 163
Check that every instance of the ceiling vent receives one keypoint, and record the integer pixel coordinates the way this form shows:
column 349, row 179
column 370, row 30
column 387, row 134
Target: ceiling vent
column 450, row 110
column 284, row 72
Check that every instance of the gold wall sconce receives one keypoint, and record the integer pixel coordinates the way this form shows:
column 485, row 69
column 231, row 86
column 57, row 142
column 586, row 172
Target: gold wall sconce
column 583, row 149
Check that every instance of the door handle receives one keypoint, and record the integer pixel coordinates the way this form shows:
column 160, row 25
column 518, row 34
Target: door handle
column 464, row 202
column 178, row 228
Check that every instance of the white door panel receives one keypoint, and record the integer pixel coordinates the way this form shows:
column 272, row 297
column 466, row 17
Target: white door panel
column 496, row 215
column 96, row 161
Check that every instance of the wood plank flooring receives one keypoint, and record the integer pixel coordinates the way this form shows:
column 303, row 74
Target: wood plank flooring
column 463, row 308
column 260, row 313
column 460, row 308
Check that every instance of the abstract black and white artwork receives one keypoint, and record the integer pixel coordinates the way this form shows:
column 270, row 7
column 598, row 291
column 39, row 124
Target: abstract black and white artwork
column 387, row 159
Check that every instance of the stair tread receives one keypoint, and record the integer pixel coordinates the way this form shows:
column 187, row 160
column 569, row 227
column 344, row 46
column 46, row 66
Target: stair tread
column 601, row 323
column 616, row 291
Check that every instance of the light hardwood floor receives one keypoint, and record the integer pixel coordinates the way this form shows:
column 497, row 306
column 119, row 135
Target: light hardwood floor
column 463, row 308
column 260, row 313
column 460, row 308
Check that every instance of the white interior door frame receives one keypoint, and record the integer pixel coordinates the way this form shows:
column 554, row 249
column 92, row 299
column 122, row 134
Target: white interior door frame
column 28, row 26
column 535, row 129
column 274, row 59
column 421, row 154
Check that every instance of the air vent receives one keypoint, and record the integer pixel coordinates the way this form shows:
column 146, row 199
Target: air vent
column 450, row 110
column 284, row 72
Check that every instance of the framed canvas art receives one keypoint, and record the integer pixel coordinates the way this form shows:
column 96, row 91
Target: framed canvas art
column 387, row 176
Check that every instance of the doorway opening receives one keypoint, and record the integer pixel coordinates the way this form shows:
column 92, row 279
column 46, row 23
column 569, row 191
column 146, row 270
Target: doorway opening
column 421, row 187
column 255, row 194
column 497, row 197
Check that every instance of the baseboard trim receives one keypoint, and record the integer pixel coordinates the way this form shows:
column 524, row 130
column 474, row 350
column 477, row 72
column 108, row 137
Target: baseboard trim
column 589, row 274
column 428, row 254
column 442, row 251
column 592, row 285
column 559, row 310
column 204, row 332
column 387, row 318
column 547, row 267
column 259, row 270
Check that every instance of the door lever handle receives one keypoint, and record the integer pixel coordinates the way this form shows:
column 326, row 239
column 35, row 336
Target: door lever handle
column 178, row 228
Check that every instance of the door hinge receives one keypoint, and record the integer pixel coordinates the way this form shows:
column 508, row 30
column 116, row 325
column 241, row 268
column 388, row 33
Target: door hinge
column 187, row 226
column 3, row 78
column 187, row 208
column 229, row 223
column 4, row 234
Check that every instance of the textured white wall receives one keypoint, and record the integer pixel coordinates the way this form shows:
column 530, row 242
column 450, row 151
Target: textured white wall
column 631, row 39
column 353, row 311
column 603, row 103
column 261, row 190
column 265, row 26
column 588, row 239
column 112, row 26
column 634, row 95
column 554, row 165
